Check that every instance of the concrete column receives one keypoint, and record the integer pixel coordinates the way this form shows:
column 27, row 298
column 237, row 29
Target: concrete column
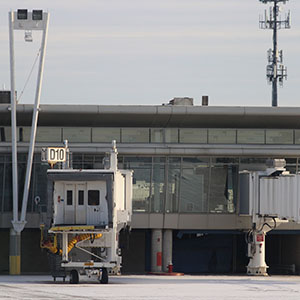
column 14, row 252
column 156, row 250
column 167, row 249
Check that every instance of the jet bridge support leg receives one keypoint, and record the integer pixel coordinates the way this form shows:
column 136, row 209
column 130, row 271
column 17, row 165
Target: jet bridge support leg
column 256, row 239
column 256, row 251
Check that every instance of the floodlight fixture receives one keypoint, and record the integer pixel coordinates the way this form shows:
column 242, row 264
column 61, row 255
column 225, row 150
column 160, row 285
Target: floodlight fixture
column 22, row 14
column 37, row 15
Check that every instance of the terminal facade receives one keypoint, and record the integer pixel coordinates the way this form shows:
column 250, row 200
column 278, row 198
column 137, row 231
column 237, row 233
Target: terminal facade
column 186, row 161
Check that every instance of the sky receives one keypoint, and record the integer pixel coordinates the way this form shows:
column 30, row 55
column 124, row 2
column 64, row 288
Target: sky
column 138, row 52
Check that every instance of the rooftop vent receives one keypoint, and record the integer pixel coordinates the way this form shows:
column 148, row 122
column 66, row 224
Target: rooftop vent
column 182, row 101
column 204, row 100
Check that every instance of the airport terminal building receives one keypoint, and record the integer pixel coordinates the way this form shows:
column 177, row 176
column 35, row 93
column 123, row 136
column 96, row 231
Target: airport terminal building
column 186, row 161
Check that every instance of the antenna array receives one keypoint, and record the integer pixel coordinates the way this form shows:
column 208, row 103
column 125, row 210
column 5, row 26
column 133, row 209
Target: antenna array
column 276, row 71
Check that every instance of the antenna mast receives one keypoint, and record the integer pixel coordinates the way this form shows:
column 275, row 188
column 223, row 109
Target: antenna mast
column 276, row 71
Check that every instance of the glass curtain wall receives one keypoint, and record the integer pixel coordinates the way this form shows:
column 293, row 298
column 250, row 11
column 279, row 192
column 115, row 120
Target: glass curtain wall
column 194, row 185
column 223, row 185
column 142, row 167
column 160, row 184
column 173, row 184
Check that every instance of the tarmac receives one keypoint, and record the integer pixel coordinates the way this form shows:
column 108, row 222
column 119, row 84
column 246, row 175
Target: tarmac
column 152, row 287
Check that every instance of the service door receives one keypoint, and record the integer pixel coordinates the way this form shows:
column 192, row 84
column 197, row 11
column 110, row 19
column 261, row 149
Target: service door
column 80, row 204
column 69, row 203
column 97, row 212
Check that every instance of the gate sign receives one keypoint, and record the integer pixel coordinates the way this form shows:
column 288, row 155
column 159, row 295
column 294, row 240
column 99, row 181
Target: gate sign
column 56, row 154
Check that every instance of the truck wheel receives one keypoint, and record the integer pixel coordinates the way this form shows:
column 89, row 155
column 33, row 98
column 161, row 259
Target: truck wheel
column 104, row 276
column 74, row 277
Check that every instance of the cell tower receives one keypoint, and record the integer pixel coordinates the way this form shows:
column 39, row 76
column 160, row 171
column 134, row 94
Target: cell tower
column 276, row 71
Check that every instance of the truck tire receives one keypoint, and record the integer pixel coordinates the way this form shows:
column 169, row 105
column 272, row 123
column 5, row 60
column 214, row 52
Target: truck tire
column 104, row 276
column 74, row 277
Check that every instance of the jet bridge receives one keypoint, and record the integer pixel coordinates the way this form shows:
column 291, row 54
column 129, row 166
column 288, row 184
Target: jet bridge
column 271, row 197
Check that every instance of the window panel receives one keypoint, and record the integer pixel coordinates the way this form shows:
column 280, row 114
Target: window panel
column 250, row 136
column 279, row 136
column 70, row 197
column 172, row 197
column 77, row 134
column 171, row 135
column 157, row 135
column 48, row 134
column 105, row 135
column 193, row 136
column 142, row 167
column 297, row 137
column 194, row 185
column 80, row 197
column 5, row 134
column 157, row 185
column 222, row 136
column 93, row 197
column 135, row 135
column 223, row 188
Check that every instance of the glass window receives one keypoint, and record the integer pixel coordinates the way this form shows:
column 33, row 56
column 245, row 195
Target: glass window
column 1, row 182
column 297, row 137
column 77, row 161
column 157, row 185
column 39, row 183
column 77, row 134
column 253, row 164
column 171, row 135
column 5, row 134
column 2, row 134
column 23, row 134
column 88, row 161
column 222, row 136
column 223, row 188
column 279, row 136
column 157, row 135
column 194, row 185
column 105, row 135
column 7, row 186
column 48, row 134
column 291, row 165
column 193, row 136
column 251, row 136
column 80, row 197
column 93, row 197
column 172, row 197
column 135, row 135
column 142, row 167
column 69, row 197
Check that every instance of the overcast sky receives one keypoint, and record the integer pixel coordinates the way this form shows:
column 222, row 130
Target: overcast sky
column 147, row 52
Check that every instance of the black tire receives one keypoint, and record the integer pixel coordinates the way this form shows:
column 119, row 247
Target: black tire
column 104, row 276
column 74, row 277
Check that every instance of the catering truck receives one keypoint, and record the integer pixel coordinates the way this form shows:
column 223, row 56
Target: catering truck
column 89, row 209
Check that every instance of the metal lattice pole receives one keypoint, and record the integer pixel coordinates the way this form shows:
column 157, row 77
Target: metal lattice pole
column 276, row 71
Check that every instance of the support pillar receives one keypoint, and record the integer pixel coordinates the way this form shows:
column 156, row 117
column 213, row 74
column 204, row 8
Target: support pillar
column 167, row 249
column 14, row 252
column 156, row 250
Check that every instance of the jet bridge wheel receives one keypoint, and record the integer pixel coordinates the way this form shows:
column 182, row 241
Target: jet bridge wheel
column 104, row 276
column 74, row 277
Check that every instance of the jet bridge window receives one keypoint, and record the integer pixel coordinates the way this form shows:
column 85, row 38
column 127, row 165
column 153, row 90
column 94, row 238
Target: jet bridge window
column 80, row 197
column 93, row 197
column 69, row 197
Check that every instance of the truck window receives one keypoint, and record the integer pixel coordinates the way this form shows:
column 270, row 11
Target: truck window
column 93, row 197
